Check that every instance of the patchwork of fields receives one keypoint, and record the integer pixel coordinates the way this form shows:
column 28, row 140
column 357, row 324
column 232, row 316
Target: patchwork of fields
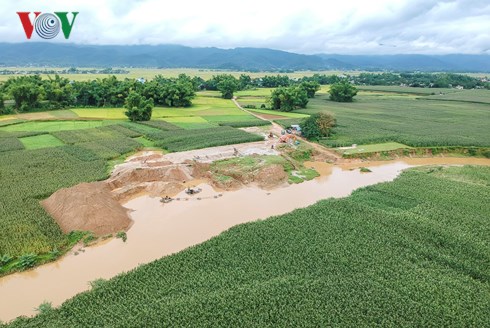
column 39, row 157
column 408, row 253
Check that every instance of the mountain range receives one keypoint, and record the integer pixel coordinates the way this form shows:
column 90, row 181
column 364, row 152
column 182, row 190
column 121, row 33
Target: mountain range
column 246, row 59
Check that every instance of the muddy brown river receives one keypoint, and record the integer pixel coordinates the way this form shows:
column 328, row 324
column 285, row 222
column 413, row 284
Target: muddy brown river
column 163, row 229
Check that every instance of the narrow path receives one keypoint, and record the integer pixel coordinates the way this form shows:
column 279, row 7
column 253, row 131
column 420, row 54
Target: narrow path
column 330, row 155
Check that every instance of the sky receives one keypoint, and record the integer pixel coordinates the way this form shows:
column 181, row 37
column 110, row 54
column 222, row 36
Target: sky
column 307, row 26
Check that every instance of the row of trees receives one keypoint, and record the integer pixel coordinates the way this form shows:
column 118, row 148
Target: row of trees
column 30, row 92
column 289, row 98
column 428, row 80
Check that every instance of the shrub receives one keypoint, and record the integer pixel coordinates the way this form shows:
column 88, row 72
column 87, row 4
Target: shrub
column 317, row 125
column 122, row 235
column 45, row 307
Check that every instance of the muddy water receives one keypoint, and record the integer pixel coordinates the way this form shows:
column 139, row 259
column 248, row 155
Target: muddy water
column 162, row 229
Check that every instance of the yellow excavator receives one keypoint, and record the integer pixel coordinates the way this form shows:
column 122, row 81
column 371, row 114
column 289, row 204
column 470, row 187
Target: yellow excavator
column 287, row 138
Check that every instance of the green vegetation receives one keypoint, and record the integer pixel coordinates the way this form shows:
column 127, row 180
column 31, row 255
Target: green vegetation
column 227, row 85
column 405, row 120
column 311, row 87
column 342, row 91
column 41, row 141
column 7, row 144
column 245, row 124
column 190, row 122
column 138, row 108
column 277, row 113
column 412, row 252
column 242, row 169
column 317, row 126
column 286, row 99
column 122, row 235
column 28, row 176
column 472, row 96
column 201, row 138
column 51, row 126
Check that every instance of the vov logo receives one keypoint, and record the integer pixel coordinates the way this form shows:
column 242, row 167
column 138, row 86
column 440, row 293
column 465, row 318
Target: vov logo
column 47, row 25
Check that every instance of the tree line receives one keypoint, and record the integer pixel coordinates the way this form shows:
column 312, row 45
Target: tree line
column 32, row 92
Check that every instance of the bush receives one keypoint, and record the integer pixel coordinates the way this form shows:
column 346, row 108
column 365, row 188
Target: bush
column 122, row 235
column 317, row 126
column 26, row 261
column 45, row 307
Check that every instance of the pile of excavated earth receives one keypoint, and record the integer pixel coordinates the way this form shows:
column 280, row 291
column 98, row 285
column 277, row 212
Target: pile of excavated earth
column 98, row 206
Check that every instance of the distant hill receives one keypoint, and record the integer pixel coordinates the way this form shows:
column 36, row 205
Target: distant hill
column 249, row 59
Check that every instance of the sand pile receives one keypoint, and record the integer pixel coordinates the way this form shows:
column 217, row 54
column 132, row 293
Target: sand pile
column 87, row 207
column 167, row 173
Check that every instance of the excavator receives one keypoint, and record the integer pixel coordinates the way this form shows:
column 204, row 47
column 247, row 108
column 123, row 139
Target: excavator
column 286, row 138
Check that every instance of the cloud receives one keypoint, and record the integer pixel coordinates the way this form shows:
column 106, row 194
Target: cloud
column 314, row 26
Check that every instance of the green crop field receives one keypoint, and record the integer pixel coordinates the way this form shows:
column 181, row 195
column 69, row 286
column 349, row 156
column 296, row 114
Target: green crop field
column 190, row 122
column 201, row 138
column 278, row 113
column 475, row 96
column 260, row 92
column 408, row 253
column 52, row 126
column 371, row 119
column 404, row 90
column 41, row 141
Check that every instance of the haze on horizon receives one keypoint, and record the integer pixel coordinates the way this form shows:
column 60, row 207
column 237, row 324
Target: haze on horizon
column 308, row 27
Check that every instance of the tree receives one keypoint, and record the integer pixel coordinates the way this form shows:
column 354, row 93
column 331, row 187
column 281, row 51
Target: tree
column 138, row 108
column 177, row 92
column 311, row 87
column 317, row 126
column 342, row 91
column 2, row 104
column 245, row 81
column 26, row 95
column 227, row 85
column 287, row 99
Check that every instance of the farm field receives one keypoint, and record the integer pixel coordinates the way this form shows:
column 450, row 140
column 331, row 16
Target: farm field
column 149, row 73
column 40, row 156
column 396, row 114
column 413, row 122
column 406, row 253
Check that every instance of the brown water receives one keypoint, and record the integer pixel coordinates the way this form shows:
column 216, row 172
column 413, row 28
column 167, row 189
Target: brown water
column 162, row 229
